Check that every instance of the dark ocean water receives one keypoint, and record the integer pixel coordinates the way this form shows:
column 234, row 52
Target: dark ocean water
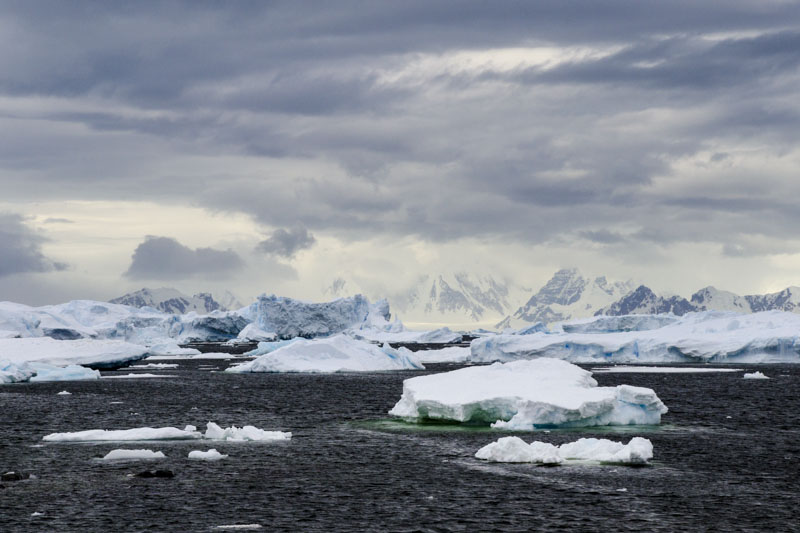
column 726, row 458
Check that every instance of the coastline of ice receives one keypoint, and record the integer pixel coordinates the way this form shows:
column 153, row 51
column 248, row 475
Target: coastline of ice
column 711, row 336
column 524, row 396
column 339, row 353
column 515, row 450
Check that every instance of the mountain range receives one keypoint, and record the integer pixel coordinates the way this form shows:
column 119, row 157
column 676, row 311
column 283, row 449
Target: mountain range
column 174, row 301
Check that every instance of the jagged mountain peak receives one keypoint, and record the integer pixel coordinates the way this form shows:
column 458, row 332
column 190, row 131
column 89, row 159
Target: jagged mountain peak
column 170, row 300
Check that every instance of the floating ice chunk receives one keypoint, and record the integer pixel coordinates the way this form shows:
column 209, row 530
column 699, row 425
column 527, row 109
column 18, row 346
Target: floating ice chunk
column 660, row 370
column 755, row 375
column 239, row 526
column 132, row 455
column 437, row 336
column 170, row 348
column 526, row 395
column 514, row 450
column 339, row 353
column 156, row 365
column 210, row 455
column 252, row 332
column 451, row 354
column 136, row 434
column 137, row 376
column 233, row 433
column 266, row 347
column 64, row 393
column 15, row 372
column 46, row 372
column 97, row 353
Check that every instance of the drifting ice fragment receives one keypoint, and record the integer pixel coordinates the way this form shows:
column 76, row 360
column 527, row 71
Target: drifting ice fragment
column 755, row 375
column 210, row 455
column 131, row 455
column 514, row 450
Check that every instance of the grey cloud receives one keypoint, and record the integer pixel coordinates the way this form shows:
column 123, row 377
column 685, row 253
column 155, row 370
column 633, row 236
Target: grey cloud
column 55, row 220
column 21, row 248
column 286, row 243
column 602, row 236
column 164, row 258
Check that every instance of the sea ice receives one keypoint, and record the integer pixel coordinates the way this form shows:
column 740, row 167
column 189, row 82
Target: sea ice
column 451, row 354
column 660, row 370
column 709, row 336
column 210, row 455
column 143, row 375
column 213, row 432
column 96, row 353
column 233, row 433
column 514, row 450
column 252, row 332
column 755, row 375
column 156, row 365
column 64, row 393
column 526, row 395
column 132, row 455
column 339, row 353
column 46, row 372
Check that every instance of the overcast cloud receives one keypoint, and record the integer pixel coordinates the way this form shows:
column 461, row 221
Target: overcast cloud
column 164, row 258
column 614, row 125
column 20, row 248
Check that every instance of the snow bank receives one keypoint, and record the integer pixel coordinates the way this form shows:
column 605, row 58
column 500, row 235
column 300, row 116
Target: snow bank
column 213, row 432
column 526, row 395
column 755, row 375
column 210, row 455
column 711, row 336
column 132, row 455
column 514, row 450
column 339, row 353
column 96, row 353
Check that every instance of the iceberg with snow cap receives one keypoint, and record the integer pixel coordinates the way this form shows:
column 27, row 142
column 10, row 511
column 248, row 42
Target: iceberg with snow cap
column 526, row 395
column 709, row 336
column 339, row 353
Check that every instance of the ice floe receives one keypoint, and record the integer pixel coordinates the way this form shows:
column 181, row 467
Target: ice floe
column 64, row 393
column 451, row 354
column 142, row 375
column 710, row 336
column 526, row 395
column 515, row 450
column 339, row 353
column 210, row 455
column 96, row 353
column 132, row 455
column 755, row 375
column 213, row 432
column 660, row 370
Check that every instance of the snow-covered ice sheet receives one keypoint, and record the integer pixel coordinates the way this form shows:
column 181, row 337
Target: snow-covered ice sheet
column 709, row 336
column 132, row 455
column 755, row 375
column 213, row 432
column 339, row 353
column 526, row 395
column 660, row 370
column 515, row 450
column 451, row 354
column 210, row 455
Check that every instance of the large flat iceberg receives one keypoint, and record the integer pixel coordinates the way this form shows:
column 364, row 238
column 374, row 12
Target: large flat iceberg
column 711, row 336
column 213, row 432
column 526, row 395
column 339, row 353
column 89, row 352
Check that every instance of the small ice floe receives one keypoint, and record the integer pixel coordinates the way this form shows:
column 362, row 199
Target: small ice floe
column 210, row 455
column 37, row 513
column 515, row 450
column 660, row 370
column 138, row 376
column 623, row 489
column 132, row 455
column 156, row 365
column 755, row 375
column 213, row 432
column 240, row 526
column 64, row 393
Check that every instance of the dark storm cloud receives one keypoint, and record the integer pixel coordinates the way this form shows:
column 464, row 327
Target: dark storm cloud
column 164, row 258
column 345, row 128
column 20, row 248
column 286, row 243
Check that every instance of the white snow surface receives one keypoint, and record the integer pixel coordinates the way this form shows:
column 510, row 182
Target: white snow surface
column 339, row 353
column 755, row 375
column 252, row 332
column 132, row 455
column 526, row 395
column 210, row 455
column 514, row 450
column 213, row 432
column 70, row 352
column 708, row 336
column 451, row 354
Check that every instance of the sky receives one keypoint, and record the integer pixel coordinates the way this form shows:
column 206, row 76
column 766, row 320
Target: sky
column 271, row 147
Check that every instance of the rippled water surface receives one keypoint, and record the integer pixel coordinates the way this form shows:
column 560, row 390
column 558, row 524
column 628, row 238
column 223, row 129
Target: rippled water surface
column 726, row 458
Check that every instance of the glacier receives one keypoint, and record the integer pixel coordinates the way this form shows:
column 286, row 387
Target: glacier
column 708, row 336
column 339, row 353
column 515, row 450
column 525, row 395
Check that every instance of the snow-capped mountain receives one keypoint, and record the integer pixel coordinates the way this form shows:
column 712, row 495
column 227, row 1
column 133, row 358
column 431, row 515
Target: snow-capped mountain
column 644, row 301
column 171, row 301
column 786, row 300
column 713, row 299
column 459, row 299
column 565, row 296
